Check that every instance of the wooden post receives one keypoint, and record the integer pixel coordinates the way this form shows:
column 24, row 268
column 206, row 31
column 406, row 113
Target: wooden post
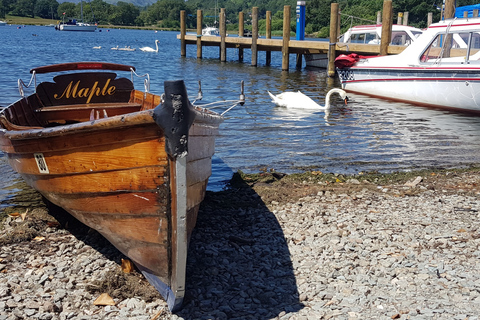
column 429, row 19
column 286, row 37
column 475, row 13
column 183, row 32
column 386, row 27
column 333, row 39
column 449, row 9
column 199, row 33
column 405, row 18
column 465, row 14
column 223, row 34
column 254, row 35
column 240, row 34
column 399, row 18
column 268, row 35
column 379, row 17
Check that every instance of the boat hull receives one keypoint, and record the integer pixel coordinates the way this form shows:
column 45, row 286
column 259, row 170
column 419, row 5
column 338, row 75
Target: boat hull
column 76, row 27
column 124, row 175
column 448, row 88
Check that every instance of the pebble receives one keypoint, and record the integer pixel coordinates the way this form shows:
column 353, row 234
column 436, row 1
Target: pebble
column 373, row 254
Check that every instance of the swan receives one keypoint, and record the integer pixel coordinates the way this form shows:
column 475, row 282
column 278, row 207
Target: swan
column 301, row 101
column 98, row 47
column 149, row 49
column 115, row 48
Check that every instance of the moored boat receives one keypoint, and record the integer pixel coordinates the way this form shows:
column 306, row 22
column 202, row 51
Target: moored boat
column 125, row 162
column 367, row 34
column 440, row 69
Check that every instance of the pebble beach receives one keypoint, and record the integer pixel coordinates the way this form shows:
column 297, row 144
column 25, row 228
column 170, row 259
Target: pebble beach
column 344, row 248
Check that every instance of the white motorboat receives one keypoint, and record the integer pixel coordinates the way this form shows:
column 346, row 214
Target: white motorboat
column 440, row 69
column 367, row 34
column 210, row 31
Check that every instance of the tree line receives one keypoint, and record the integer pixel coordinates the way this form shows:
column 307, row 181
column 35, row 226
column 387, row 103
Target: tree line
column 165, row 13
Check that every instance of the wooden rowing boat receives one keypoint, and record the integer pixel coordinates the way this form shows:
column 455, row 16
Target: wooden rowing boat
column 124, row 162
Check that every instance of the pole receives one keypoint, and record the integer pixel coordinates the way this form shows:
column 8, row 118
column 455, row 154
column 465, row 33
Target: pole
column 386, row 27
column 240, row 34
column 199, row 33
column 183, row 31
column 254, row 35
column 268, row 35
column 333, row 39
column 286, row 37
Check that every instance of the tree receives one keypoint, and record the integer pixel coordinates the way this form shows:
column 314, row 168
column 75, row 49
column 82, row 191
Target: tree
column 46, row 9
column 24, row 8
column 124, row 14
column 66, row 9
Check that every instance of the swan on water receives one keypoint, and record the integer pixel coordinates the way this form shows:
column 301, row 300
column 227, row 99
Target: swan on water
column 115, row 48
column 149, row 49
column 299, row 100
column 98, row 47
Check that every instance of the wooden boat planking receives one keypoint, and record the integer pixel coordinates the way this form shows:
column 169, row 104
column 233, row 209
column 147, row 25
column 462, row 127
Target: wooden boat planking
column 121, row 175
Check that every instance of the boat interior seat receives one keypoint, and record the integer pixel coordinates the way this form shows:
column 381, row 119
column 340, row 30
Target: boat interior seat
column 63, row 114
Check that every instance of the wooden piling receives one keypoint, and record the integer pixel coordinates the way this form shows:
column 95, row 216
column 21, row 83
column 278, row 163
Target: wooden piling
column 223, row 34
column 405, row 18
column 183, row 32
column 286, row 37
column 333, row 39
column 429, row 19
column 199, row 33
column 449, row 9
column 240, row 34
column 268, row 35
column 475, row 13
column 386, row 27
column 254, row 35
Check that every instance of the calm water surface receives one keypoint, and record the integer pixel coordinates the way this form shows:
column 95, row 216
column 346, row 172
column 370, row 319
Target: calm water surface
column 368, row 134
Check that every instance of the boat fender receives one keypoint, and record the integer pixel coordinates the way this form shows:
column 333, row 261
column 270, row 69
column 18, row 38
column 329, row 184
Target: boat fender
column 175, row 116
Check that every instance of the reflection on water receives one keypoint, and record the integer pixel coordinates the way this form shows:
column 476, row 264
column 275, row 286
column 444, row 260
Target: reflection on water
column 366, row 135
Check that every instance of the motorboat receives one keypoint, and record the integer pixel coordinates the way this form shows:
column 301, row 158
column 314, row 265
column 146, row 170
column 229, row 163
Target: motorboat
column 210, row 31
column 128, row 163
column 367, row 34
column 441, row 68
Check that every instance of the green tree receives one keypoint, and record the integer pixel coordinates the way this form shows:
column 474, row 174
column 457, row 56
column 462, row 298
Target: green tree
column 66, row 10
column 24, row 8
column 124, row 14
column 46, row 9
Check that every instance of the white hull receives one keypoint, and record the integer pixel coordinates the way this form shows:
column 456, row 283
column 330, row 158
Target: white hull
column 440, row 69
column 449, row 89
column 77, row 27
column 317, row 60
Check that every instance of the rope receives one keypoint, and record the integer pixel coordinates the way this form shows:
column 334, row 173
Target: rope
column 21, row 84
column 146, row 82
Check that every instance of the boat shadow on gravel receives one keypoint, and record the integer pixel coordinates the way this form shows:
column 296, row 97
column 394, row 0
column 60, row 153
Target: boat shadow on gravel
column 239, row 265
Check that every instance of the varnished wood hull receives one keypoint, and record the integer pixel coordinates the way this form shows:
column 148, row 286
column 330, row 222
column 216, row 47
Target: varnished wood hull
column 115, row 175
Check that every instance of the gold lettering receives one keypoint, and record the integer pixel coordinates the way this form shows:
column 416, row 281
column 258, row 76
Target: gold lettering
column 74, row 91
column 94, row 91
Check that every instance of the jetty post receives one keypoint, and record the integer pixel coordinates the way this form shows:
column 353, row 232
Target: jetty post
column 286, row 37
column 254, row 35
column 183, row 32
column 241, row 30
column 268, row 35
column 386, row 27
column 223, row 34
column 449, row 9
column 333, row 39
column 199, row 33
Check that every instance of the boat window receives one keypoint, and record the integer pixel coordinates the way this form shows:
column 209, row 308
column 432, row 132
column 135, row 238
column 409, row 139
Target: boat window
column 401, row 38
column 447, row 46
column 357, row 38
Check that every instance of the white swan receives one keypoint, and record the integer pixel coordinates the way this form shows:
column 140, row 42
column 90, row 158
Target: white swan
column 115, row 48
column 149, row 49
column 299, row 100
column 98, row 47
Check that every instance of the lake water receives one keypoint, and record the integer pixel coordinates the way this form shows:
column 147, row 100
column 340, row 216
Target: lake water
column 367, row 135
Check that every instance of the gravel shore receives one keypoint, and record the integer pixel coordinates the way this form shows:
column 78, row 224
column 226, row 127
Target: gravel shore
column 271, row 247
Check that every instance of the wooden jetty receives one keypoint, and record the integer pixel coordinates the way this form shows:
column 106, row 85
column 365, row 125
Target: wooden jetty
column 285, row 45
